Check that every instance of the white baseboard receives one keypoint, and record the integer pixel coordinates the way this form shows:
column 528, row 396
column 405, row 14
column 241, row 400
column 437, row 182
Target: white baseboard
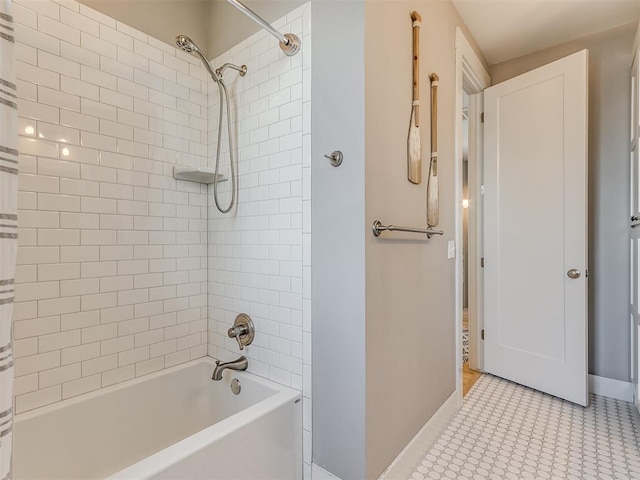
column 319, row 473
column 612, row 388
column 406, row 462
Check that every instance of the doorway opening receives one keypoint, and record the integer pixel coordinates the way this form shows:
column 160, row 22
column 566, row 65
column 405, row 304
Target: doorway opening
column 469, row 375
column 471, row 80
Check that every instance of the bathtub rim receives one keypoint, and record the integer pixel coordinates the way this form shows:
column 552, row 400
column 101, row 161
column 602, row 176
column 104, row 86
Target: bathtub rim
column 135, row 381
column 168, row 456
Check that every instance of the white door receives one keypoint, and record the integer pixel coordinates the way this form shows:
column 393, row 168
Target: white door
column 536, row 229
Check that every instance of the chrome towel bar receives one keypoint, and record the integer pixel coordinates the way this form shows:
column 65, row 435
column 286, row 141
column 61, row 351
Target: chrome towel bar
column 378, row 228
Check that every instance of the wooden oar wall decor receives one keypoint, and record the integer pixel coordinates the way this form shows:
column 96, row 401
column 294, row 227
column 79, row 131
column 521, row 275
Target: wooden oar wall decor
column 414, row 149
column 433, row 208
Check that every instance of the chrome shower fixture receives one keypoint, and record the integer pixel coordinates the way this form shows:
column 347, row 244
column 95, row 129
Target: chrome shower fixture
column 242, row 70
column 189, row 46
column 186, row 44
column 289, row 43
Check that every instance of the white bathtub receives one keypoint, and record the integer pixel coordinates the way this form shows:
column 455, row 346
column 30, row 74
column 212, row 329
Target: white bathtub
column 172, row 424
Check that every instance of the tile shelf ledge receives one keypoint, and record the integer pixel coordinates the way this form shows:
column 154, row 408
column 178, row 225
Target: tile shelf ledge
column 195, row 174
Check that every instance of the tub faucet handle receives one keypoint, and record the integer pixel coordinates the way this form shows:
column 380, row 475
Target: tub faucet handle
column 237, row 332
column 242, row 330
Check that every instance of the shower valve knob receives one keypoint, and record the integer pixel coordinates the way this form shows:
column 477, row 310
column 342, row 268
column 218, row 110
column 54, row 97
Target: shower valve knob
column 242, row 330
column 237, row 332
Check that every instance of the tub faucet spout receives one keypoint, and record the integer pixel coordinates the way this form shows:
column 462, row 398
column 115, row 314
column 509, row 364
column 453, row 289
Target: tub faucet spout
column 239, row 364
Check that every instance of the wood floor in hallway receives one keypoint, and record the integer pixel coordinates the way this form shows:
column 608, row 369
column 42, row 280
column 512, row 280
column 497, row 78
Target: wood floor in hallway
column 469, row 378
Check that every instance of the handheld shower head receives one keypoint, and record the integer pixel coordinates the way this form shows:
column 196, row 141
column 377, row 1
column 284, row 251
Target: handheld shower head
column 186, row 44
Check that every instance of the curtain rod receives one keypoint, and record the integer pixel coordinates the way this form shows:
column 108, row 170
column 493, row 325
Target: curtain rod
column 289, row 43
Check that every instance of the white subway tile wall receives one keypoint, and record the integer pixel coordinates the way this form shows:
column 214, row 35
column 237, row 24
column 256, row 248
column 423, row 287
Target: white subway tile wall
column 112, row 275
column 260, row 258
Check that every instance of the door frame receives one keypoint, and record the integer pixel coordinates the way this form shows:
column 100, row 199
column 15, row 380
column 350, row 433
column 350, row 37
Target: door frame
column 634, row 226
column 471, row 76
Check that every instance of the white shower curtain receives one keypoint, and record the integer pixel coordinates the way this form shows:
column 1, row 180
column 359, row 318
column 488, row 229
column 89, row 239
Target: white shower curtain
column 8, row 229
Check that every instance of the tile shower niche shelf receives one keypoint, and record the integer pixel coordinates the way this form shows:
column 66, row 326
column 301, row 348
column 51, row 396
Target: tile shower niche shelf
column 199, row 175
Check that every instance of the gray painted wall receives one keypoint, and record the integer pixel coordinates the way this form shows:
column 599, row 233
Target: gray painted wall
column 410, row 282
column 609, row 111
column 162, row 19
column 338, row 226
column 383, row 309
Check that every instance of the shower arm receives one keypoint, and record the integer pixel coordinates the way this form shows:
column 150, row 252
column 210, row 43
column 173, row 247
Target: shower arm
column 289, row 43
column 242, row 70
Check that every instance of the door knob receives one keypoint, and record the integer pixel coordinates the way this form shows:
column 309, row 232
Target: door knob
column 573, row 273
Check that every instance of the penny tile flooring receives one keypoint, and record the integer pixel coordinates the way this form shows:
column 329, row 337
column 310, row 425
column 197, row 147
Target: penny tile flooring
column 507, row 431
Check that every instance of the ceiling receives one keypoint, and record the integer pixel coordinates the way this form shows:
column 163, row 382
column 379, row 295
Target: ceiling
column 506, row 29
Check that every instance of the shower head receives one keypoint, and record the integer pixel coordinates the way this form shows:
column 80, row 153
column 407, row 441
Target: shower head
column 188, row 45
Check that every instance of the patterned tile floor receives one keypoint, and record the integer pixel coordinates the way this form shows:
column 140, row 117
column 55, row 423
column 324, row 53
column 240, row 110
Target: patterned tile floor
column 507, row 431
